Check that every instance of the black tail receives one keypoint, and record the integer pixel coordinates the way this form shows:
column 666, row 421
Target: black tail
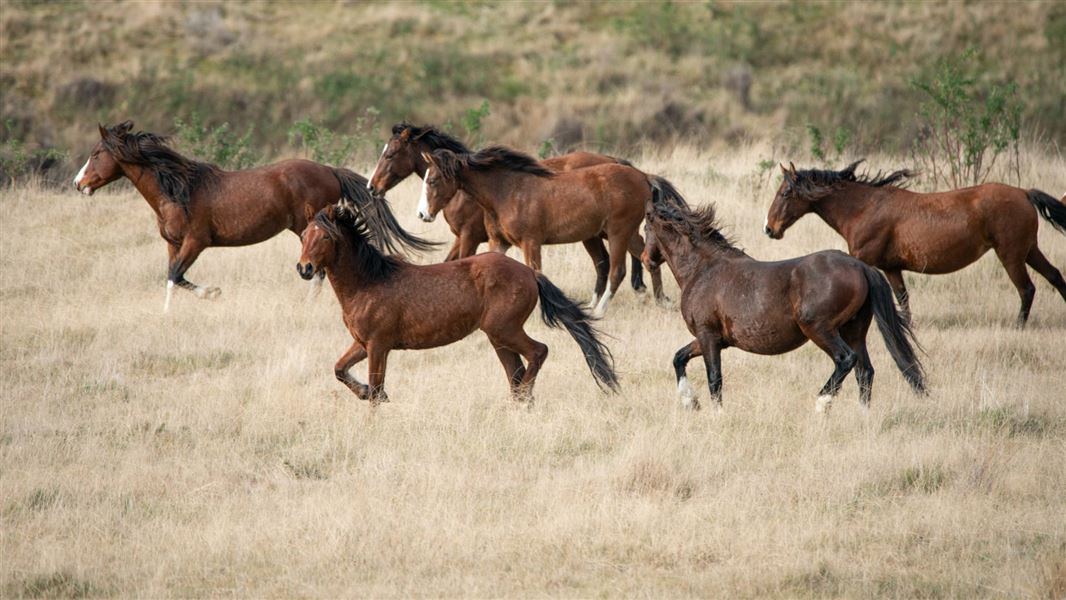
column 386, row 230
column 662, row 189
column 1052, row 210
column 556, row 309
column 899, row 339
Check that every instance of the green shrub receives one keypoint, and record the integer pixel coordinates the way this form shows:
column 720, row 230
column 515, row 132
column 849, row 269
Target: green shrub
column 16, row 160
column 216, row 145
column 324, row 145
column 472, row 119
column 966, row 125
column 841, row 137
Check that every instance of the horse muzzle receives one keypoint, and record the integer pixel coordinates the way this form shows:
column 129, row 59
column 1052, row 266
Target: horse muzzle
column 306, row 271
column 770, row 233
column 426, row 218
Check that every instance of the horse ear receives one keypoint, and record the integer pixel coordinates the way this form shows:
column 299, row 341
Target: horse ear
column 125, row 126
column 309, row 213
column 330, row 211
column 784, row 171
column 792, row 167
column 426, row 156
column 103, row 131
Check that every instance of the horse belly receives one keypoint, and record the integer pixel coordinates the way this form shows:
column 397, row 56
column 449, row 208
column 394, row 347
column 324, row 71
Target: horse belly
column 765, row 337
column 949, row 253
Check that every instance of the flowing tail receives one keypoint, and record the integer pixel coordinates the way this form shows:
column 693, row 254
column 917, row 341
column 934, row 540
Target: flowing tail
column 899, row 339
column 1052, row 210
column 385, row 229
column 557, row 310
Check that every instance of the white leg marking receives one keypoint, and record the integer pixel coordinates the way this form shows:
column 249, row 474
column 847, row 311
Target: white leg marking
column 595, row 297
column 423, row 204
column 601, row 308
column 170, row 292
column 823, row 404
column 81, row 173
column 688, row 395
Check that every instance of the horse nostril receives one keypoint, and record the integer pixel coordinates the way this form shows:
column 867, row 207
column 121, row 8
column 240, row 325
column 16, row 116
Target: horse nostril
column 767, row 231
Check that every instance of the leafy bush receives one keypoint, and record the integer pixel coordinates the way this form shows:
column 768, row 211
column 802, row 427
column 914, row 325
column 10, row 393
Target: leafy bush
column 324, row 145
column 472, row 119
column 966, row 126
column 841, row 137
column 216, row 145
column 16, row 160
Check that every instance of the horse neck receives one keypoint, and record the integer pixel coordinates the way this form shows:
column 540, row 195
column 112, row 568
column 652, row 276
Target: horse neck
column 843, row 207
column 144, row 180
column 345, row 274
column 420, row 163
column 492, row 189
column 686, row 260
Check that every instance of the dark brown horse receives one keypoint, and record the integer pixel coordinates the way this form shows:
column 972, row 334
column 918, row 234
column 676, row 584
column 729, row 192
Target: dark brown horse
column 898, row 230
column 729, row 299
column 389, row 304
column 199, row 205
column 528, row 206
column 402, row 156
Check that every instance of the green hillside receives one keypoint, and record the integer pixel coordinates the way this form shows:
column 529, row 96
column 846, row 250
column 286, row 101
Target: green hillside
column 611, row 76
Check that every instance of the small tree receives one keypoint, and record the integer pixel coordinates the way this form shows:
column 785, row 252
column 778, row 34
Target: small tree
column 965, row 126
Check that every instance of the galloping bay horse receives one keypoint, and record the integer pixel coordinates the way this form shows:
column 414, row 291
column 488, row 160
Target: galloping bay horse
column 729, row 299
column 199, row 205
column 389, row 304
column 402, row 156
column 898, row 230
column 526, row 205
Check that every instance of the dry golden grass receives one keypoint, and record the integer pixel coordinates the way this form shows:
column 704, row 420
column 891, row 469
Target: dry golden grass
column 211, row 452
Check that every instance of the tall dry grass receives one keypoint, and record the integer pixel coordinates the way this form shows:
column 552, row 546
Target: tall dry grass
column 211, row 452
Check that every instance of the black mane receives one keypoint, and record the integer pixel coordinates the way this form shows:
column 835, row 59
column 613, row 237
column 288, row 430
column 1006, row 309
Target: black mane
column 433, row 137
column 699, row 225
column 493, row 157
column 353, row 231
column 814, row 183
column 178, row 176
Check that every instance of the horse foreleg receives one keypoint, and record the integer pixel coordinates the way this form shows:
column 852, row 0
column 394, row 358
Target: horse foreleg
column 531, row 252
column 180, row 260
column 455, row 252
column 899, row 288
column 712, row 362
column 354, row 354
column 468, row 242
column 618, row 246
column 378, row 359
column 600, row 262
column 684, row 389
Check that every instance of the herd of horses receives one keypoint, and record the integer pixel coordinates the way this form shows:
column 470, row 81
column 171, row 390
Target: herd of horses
column 506, row 198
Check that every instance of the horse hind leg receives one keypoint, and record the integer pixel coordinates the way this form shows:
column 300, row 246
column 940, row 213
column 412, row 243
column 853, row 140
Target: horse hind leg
column 512, row 368
column 1040, row 264
column 534, row 353
column 1019, row 276
column 854, row 333
column 844, row 359
column 636, row 247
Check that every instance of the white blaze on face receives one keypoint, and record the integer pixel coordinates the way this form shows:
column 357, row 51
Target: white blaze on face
column 423, row 202
column 81, row 173
column 377, row 166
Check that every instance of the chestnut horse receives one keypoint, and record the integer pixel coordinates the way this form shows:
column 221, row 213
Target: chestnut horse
column 389, row 304
column 402, row 156
column 527, row 205
column 898, row 230
column 199, row 205
column 729, row 299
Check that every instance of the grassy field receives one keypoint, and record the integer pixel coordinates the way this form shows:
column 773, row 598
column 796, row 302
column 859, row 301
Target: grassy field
column 210, row 452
